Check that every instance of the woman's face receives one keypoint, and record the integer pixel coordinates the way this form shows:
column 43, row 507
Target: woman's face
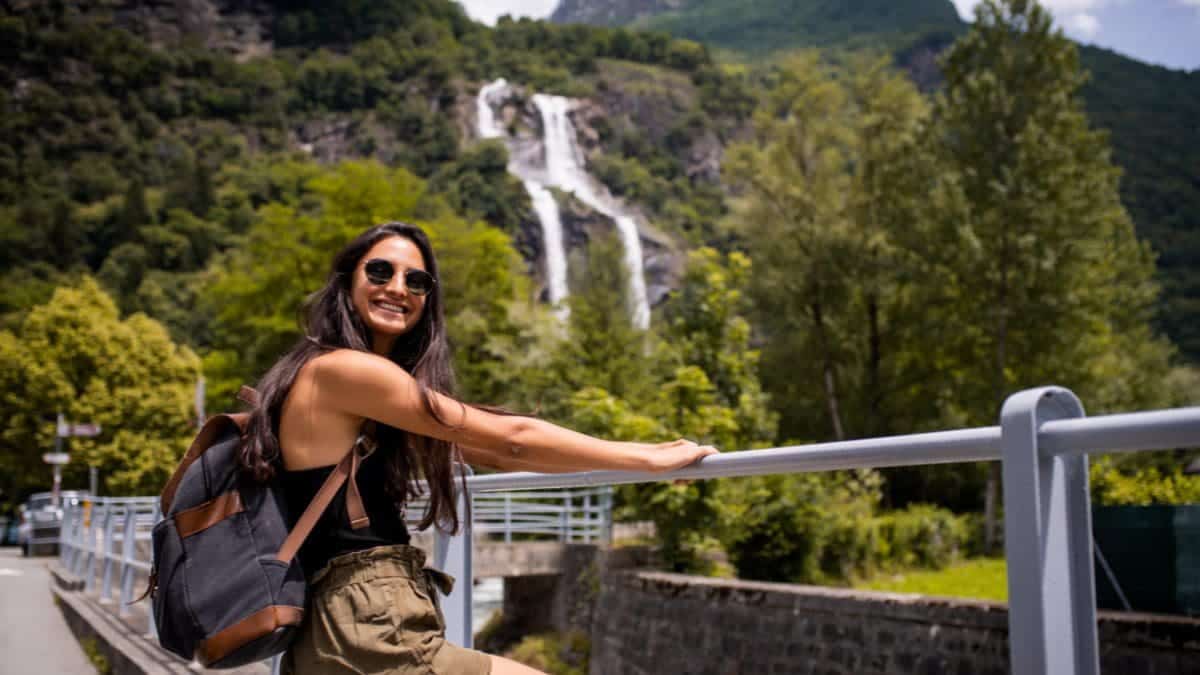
column 390, row 309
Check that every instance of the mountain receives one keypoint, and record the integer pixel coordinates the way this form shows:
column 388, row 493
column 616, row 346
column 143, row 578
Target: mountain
column 1149, row 110
column 760, row 27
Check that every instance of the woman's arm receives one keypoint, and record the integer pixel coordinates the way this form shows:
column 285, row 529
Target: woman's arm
column 371, row 386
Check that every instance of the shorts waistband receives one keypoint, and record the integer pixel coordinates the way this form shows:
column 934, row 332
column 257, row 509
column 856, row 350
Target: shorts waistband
column 380, row 562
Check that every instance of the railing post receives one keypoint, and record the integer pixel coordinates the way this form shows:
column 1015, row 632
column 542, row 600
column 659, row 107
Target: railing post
column 128, row 546
column 89, row 580
column 607, row 515
column 587, row 516
column 564, row 534
column 508, row 517
column 452, row 555
column 1047, row 541
column 109, row 560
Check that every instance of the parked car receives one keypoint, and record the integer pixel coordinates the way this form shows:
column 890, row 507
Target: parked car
column 41, row 521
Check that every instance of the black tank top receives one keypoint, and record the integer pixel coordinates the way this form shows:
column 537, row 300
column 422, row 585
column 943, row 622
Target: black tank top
column 332, row 535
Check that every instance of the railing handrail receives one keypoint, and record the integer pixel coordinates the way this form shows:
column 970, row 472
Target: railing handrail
column 1043, row 441
column 1124, row 432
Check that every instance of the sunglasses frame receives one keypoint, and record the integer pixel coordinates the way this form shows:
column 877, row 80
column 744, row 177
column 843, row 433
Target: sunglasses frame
column 381, row 281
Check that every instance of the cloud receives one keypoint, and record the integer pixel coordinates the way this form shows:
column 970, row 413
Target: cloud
column 1078, row 17
column 1083, row 24
column 488, row 11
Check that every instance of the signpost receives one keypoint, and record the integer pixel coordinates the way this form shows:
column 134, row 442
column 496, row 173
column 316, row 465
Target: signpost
column 63, row 429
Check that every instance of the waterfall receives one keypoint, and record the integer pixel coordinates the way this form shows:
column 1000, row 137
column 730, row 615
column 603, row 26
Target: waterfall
column 564, row 169
column 543, row 205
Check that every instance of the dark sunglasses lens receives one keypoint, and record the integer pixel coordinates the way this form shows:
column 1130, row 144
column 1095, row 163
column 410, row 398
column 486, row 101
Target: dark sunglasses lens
column 379, row 272
column 419, row 282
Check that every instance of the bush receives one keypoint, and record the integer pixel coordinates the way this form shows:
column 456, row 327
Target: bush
column 1144, row 486
column 922, row 536
column 822, row 528
column 554, row 653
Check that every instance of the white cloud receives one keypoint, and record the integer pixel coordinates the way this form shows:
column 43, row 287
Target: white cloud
column 487, row 11
column 1078, row 17
column 1083, row 24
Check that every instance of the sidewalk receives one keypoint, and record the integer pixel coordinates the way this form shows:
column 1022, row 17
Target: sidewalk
column 34, row 637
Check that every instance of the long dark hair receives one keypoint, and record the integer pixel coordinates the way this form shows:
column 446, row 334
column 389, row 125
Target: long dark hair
column 331, row 322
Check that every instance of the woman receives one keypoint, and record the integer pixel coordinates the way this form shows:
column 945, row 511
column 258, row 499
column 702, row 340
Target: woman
column 375, row 364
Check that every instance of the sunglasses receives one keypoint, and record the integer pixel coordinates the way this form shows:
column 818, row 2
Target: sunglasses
column 380, row 271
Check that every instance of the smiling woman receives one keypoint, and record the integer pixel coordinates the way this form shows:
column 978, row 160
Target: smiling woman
column 373, row 376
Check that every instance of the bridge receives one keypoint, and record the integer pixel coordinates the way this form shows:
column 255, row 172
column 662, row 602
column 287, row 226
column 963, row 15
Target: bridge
column 1043, row 441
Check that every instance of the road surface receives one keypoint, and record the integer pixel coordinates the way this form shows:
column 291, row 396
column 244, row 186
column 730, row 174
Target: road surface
column 34, row 637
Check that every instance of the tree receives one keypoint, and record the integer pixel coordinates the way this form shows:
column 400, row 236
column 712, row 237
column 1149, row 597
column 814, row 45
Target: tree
column 76, row 355
column 1056, row 284
column 790, row 209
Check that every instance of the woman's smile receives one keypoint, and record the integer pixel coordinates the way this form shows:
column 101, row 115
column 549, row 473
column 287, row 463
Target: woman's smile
column 388, row 307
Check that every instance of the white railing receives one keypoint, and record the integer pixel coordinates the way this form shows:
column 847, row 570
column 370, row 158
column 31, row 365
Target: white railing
column 1043, row 441
column 104, row 538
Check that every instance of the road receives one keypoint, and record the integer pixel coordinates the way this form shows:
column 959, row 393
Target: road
column 34, row 637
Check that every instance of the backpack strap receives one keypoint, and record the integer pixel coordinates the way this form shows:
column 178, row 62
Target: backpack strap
column 345, row 469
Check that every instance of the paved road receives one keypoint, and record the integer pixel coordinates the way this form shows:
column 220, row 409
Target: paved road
column 34, row 637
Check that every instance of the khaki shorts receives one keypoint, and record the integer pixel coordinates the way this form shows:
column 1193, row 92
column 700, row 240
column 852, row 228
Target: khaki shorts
column 377, row 611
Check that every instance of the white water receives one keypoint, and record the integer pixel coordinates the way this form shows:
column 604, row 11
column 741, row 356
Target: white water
column 543, row 204
column 564, row 170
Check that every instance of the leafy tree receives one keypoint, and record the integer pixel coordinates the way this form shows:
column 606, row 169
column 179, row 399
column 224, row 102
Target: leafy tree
column 1062, row 289
column 75, row 354
column 790, row 210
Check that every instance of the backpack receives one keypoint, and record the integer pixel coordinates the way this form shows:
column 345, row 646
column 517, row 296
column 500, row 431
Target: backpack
column 226, row 588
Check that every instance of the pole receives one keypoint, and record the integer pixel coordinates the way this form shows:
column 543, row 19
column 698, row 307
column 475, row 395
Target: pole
column 59, row 432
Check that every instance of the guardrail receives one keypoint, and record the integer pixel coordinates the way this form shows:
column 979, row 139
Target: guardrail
column 107, row 538
column 1043, row 440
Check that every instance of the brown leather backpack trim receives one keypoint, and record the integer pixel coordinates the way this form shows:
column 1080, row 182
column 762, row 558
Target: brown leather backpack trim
column 211, row 512
column 254, row 626
column 212, row 430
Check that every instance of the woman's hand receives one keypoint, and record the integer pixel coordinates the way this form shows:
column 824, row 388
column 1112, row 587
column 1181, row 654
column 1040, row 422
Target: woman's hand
column 676, row 454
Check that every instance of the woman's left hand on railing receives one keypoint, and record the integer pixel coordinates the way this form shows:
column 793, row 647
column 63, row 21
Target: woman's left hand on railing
column 676, row 454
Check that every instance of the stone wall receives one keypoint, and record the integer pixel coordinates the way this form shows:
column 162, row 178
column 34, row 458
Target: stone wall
column 646, row 623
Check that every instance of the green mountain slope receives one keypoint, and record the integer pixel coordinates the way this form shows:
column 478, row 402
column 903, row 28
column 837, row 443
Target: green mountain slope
column 1150, row 111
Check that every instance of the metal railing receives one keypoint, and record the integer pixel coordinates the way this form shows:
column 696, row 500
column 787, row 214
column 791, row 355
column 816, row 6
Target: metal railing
column 107, row 539
column 1043, row 441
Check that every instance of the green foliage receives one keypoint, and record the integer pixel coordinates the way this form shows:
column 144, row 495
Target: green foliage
column 820, row 528
column 554, row 653
column 1144, row 486
column 76, row 355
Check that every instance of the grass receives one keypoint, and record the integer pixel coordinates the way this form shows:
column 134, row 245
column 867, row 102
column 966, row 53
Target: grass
column 979, row 578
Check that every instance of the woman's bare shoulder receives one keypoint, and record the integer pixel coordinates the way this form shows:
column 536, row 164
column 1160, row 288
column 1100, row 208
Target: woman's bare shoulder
column 350, row 365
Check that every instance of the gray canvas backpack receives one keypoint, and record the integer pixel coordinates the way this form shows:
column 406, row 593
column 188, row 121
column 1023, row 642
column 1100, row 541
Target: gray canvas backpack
column 225, row 585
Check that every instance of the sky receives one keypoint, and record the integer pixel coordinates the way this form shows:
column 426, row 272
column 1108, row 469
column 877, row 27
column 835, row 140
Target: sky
column 1163, row 32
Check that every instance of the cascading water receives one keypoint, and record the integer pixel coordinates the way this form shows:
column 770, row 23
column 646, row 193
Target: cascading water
column 543, row 204
column 564, row 170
